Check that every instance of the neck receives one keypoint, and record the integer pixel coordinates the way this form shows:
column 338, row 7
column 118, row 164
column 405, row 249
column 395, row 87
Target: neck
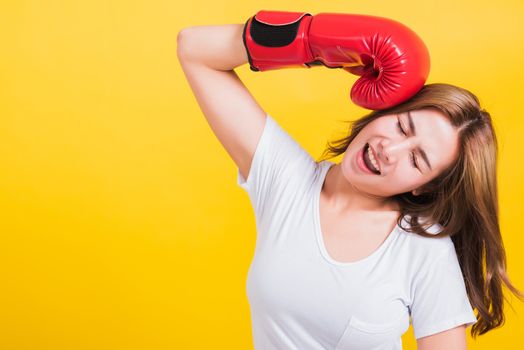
column 344, row 197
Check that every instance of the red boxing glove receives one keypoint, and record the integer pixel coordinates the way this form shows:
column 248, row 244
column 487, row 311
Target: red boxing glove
column 392, row 61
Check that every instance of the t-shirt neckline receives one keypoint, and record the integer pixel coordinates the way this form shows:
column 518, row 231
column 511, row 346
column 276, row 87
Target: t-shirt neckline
column 325, row 166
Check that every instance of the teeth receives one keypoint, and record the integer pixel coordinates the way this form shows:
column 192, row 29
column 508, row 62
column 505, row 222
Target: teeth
column 372, row 158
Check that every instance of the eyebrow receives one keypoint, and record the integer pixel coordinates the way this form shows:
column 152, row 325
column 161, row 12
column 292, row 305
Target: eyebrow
column 422, row 153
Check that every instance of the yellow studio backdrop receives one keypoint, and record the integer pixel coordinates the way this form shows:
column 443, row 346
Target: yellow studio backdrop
column 122, row 226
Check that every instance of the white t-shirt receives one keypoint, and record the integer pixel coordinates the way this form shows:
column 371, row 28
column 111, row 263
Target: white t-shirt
column 300, row 298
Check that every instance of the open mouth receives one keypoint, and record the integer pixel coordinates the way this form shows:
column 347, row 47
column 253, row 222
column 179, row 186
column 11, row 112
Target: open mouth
column 369, row 160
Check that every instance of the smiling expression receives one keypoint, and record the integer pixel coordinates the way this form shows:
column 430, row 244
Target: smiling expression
column 409, row 149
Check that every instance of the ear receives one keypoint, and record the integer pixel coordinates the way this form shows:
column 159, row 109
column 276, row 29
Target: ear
column 422, row 190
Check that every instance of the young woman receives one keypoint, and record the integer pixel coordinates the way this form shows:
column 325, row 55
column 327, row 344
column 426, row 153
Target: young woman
column 404, row 227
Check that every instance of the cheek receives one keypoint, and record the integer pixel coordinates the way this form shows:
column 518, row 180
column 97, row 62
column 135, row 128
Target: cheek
column 405, row 178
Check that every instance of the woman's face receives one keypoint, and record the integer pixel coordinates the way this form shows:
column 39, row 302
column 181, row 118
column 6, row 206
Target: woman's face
column 398, row 144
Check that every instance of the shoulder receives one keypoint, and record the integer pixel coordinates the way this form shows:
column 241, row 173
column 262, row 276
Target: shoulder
column 426, row 247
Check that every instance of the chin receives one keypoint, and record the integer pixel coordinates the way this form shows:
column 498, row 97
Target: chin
column 344, row 171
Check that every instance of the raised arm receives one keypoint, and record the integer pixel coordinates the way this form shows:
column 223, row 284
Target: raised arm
column 208, row 55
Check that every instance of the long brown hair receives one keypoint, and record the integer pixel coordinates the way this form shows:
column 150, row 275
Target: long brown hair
column 463, row 198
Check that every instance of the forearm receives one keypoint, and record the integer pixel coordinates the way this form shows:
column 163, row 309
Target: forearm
column 218, row 46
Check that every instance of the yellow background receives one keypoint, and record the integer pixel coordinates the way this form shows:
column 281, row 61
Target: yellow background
column 122, row 226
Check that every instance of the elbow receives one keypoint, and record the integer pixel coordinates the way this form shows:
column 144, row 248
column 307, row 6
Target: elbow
column 181, row 42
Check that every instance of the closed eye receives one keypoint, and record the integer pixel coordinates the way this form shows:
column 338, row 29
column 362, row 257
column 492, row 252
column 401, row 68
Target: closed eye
column 413, row 159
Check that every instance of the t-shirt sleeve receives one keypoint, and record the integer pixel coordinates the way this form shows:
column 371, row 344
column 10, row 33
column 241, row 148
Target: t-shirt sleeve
column 280, row 170
column 440, row 301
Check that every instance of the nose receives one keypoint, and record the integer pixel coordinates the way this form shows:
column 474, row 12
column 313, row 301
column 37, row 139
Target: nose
column 390, row 151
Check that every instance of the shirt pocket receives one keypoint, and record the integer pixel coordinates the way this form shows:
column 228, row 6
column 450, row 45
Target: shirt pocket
column 360, row 335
